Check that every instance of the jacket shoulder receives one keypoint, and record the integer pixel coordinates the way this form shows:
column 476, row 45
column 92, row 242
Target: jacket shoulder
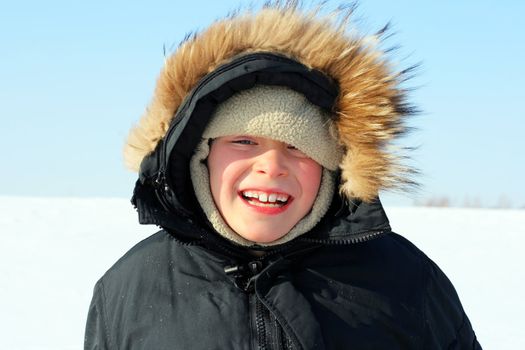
column 154, row 262
column 397, row 273
column 446, row 323
column 142, row 255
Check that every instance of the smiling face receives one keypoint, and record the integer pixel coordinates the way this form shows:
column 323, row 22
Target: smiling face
column 262, row 187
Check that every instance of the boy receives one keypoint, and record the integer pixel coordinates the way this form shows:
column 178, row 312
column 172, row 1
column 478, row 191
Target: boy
column 261, row 157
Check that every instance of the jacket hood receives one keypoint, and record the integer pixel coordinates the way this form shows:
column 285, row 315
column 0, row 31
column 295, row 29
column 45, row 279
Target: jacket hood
column 317, row 55
column 369, row 108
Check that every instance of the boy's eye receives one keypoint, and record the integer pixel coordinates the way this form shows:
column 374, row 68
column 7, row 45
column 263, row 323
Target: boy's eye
column 244, row 142
column 296, row 152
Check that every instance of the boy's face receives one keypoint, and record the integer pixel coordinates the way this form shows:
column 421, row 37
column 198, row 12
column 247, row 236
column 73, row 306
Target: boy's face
column 262, row 187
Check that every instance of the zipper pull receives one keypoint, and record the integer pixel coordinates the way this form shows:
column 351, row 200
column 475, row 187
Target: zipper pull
column 250, row 269
column 235, row 270
column 244, row 274
column 255, row 267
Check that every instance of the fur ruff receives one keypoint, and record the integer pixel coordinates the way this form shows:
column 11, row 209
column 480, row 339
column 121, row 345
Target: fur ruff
column 369, row 110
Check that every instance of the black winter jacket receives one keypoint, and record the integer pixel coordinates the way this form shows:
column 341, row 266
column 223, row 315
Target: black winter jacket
column 349, row 283
column 368, row 288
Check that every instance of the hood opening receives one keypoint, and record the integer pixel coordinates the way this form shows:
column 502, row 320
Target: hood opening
column 174, row 153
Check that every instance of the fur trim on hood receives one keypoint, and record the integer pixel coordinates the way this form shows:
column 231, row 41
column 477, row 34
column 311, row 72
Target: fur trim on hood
column 368, row 112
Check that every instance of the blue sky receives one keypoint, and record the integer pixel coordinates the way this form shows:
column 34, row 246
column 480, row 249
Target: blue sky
column 75, row 76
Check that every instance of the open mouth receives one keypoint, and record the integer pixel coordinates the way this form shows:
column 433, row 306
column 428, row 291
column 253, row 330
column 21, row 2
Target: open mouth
column 265, row 199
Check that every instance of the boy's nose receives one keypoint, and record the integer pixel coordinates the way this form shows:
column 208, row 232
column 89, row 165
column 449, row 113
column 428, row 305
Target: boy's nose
column 272, row 163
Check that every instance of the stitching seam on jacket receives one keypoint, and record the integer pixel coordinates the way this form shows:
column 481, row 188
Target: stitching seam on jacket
column 104, row 316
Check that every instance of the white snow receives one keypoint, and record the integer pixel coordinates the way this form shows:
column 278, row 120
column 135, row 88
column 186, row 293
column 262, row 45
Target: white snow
column 53, row 250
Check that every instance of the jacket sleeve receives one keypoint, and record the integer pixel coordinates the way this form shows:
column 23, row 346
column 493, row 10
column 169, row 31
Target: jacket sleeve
column 447, row 325
column 97, row 336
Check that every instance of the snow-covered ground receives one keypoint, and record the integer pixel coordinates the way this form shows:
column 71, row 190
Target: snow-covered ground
column 53, row 250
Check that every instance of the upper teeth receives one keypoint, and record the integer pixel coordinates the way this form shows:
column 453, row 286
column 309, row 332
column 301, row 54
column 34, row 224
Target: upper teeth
column 266, row 197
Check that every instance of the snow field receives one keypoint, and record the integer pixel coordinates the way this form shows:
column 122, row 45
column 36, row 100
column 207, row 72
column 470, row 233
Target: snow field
column 54, row 250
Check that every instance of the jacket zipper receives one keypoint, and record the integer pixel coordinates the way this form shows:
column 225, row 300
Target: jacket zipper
column 260, row 326
column 356, row 238
column 269, row 333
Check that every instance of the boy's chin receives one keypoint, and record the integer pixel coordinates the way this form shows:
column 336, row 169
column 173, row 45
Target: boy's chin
column 262, row 236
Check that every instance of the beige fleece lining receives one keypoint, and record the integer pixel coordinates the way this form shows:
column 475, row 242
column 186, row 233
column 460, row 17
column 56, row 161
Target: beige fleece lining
column 282, row 114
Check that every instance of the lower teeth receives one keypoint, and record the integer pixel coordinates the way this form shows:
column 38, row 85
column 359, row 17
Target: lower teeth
column 262, row 204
